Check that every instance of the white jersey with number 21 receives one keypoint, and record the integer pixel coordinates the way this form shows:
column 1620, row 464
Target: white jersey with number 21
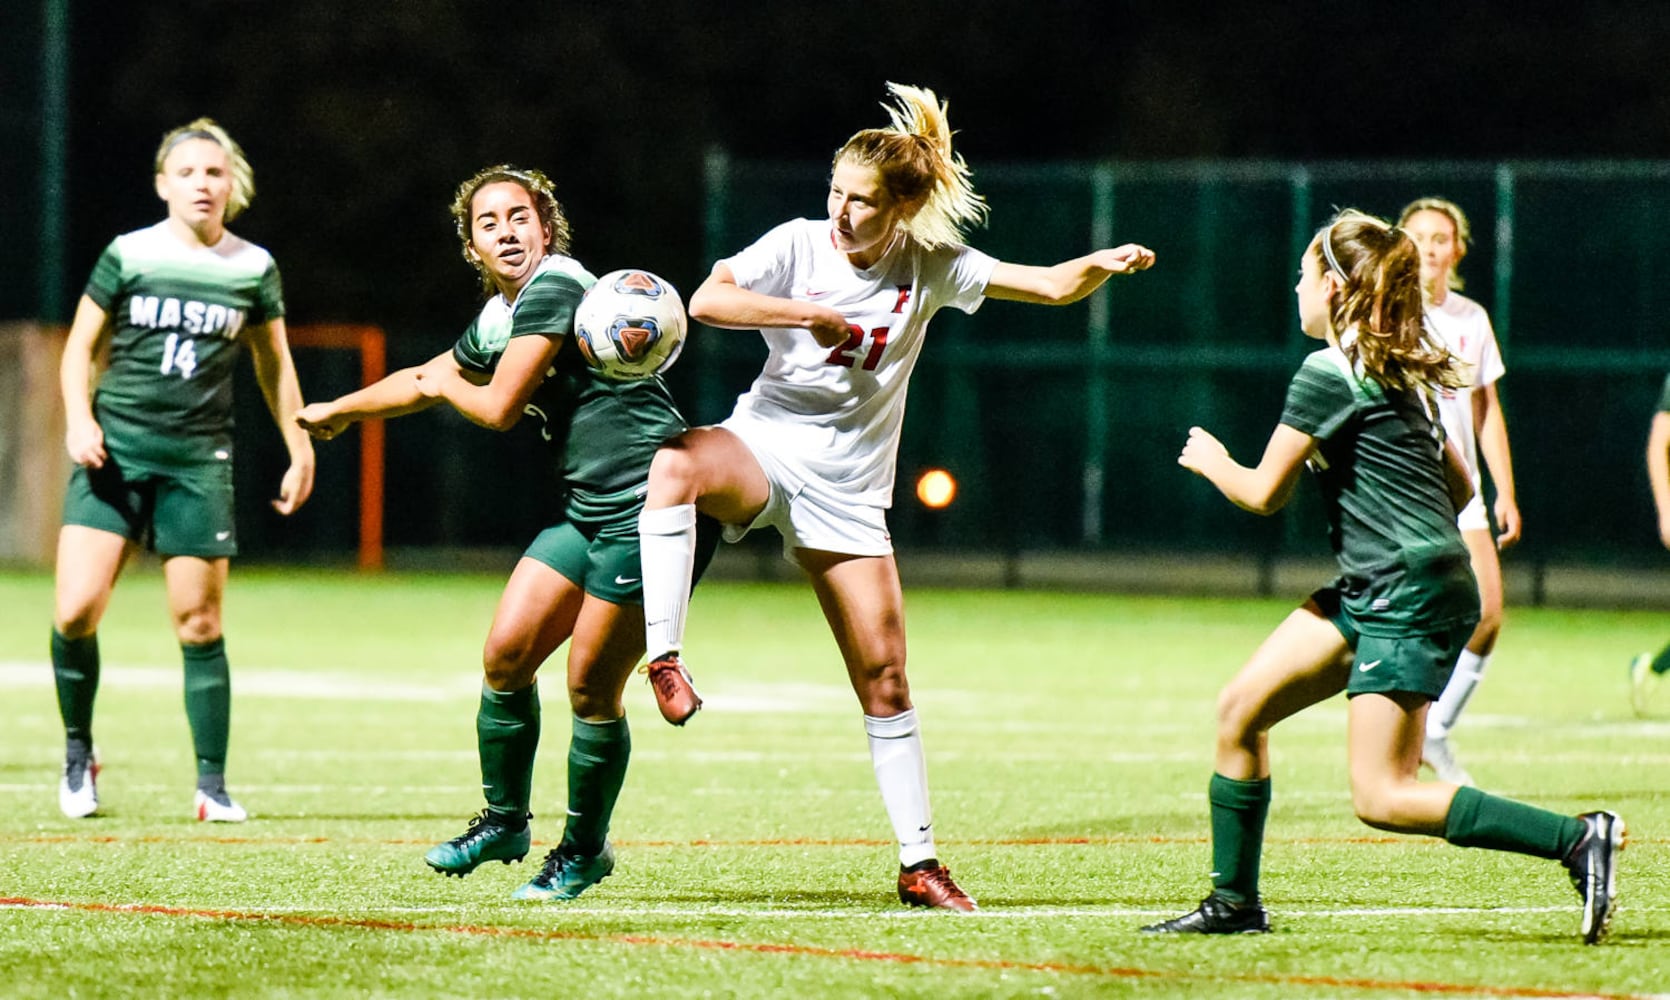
column 844, row 406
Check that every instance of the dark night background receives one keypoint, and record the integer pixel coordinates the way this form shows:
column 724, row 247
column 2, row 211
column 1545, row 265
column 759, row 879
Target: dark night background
column 361, row 118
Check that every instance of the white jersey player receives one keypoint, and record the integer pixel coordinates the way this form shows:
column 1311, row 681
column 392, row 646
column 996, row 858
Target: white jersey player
column 810, row 450
column 1473, row 419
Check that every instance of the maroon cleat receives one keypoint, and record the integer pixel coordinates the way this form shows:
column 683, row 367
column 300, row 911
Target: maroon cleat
column 933, row 887
column 675, row 695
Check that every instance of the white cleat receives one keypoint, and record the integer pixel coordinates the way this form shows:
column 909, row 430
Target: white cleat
column 218, row 808
column 1643, row 683
column 1436, row 754
column 78, row 789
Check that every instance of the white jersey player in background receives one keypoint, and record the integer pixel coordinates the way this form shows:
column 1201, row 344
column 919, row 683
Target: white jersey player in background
column 843, row 303
column 1473, row 419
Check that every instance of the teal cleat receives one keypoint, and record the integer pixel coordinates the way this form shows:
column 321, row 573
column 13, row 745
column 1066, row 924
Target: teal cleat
column 565, row 876
column 487, row 839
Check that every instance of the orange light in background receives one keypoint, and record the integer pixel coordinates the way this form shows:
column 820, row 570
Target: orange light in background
column 936, row 488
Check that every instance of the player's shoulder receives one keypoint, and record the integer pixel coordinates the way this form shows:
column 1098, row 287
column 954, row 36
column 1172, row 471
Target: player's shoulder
column 802, row 230
column 560, row 271
column 1327, row 363
column 1461, row 308
column 241, row 253
column 147, row 241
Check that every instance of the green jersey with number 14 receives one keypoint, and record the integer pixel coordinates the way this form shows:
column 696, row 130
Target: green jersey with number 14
column 177, row 313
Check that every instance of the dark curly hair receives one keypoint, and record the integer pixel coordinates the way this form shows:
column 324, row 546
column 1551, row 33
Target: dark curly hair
column 545, row 202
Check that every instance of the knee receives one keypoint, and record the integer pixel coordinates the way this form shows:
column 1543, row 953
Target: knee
column 196, row 626
column 673, row 468
column 505, row 664
column 76, row 623
column 882, row 686
column 1490, row 624
column 591, row 700
column 1237, row 712
column 1377, row 803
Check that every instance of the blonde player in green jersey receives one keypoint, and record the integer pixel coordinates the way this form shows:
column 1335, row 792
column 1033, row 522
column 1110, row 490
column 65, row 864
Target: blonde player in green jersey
column 1647, row 671
column 1474, row 421
column 1388, row 630
column 175, row 304
column 579, row 581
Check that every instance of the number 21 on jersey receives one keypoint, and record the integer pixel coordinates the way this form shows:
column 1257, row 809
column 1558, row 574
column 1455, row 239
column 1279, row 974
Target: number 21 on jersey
column 848, row 353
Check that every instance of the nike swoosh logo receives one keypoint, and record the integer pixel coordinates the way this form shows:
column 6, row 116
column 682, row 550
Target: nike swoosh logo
column 1366, row 667
column 624, row 580
column 221, row 536
column 924, row 829
column 815, row 295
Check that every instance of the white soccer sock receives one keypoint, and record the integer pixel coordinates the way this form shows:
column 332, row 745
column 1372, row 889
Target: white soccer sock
column 902, row 772
column 667, row 554
column 1469, row 670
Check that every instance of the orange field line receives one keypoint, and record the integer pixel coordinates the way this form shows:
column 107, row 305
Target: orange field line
column 1109, row 840
column 810, row 951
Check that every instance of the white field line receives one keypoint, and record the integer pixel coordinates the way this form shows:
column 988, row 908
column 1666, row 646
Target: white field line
column 338, row 684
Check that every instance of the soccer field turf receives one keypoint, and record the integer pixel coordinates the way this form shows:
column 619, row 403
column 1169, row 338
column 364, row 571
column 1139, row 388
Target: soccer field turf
column 1069, row 742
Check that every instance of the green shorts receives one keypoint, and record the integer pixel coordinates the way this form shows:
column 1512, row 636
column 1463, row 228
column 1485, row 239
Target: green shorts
column 604, row 562
column 1420, row 663
column 185, row 512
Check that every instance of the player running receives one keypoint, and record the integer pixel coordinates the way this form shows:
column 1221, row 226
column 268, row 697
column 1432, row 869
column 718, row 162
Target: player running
column 1389, row 629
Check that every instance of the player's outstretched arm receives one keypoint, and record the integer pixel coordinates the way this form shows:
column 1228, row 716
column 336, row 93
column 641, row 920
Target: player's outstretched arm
column 275, row 371
column 722, row 303
column 1067, row 281
column 1658, row 471
column 494, row 402
column 83, row 437
column 1264, row 489
column 393, row 395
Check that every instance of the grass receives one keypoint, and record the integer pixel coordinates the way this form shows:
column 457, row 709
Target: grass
column 1069, row 741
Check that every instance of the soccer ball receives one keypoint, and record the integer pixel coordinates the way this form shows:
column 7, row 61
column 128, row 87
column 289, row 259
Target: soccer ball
column 630, row 325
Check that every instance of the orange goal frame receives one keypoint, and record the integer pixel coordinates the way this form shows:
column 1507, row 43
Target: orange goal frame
column 369, row 342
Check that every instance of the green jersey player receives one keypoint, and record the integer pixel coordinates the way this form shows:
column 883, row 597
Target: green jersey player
column 175, row 304
column 579, row 581
column 1389, row 629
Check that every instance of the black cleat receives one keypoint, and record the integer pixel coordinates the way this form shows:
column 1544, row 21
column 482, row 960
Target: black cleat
column 1593, row 865
column 1216, row 915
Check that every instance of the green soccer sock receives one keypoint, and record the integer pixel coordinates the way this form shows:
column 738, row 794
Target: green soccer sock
column 1479, row 820
column 1661, row 662
column 208, row 703
column 1238, row 812
column 75, row 671
column 597, row 756
column 507, row 735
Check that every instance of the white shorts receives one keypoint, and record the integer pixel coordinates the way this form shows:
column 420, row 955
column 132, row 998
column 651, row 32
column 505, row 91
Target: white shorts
column 1473, row 516
column 807, row 511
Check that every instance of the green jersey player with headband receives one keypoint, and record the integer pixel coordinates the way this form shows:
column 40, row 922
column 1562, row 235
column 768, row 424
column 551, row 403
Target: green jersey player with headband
column 579, row 581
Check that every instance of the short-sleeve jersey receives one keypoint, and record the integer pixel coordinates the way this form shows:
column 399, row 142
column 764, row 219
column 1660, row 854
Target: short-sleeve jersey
column 1391, row 524
column 1664, row 397
column 605, row 433
column 1463, row 326
column 846, row 405
column 177, row 313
